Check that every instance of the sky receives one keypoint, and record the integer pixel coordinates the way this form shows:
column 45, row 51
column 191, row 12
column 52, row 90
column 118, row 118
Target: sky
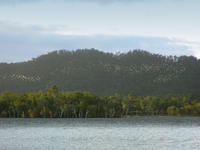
column 29, row 28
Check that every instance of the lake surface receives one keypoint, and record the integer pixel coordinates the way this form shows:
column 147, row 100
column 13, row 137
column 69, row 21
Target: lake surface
column 136, row 133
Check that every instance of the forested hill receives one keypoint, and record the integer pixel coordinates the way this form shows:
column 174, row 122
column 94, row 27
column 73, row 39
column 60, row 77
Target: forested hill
column 136, row 72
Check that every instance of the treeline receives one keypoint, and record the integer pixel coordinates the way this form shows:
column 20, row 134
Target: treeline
column 54, row 104
column 137, row 72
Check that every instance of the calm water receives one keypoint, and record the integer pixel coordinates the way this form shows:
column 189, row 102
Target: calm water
column 137, row 133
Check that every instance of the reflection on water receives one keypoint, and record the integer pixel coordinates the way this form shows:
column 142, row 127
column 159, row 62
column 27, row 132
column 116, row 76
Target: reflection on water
column 137, row 133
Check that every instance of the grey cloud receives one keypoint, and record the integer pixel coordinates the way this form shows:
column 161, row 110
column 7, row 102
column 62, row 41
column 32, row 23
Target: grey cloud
column 16, row 2
column 18, row 28
column 20, row 42
column 21, row 47
column 101, row 2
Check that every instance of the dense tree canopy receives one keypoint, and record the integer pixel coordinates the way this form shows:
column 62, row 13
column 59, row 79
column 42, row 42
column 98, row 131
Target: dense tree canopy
column 52, row 103
column 137, row 72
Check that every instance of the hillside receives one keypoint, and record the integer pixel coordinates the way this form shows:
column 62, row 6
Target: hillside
column 137, row 72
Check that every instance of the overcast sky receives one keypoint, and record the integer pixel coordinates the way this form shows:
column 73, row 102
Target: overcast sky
column 29, row 28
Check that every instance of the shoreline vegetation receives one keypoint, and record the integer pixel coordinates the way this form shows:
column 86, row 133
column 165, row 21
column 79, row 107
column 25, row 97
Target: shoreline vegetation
column 55, row 104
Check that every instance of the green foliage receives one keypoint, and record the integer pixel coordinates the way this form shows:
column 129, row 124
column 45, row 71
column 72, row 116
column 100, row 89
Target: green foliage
column 55, row 104
column 137, row 72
